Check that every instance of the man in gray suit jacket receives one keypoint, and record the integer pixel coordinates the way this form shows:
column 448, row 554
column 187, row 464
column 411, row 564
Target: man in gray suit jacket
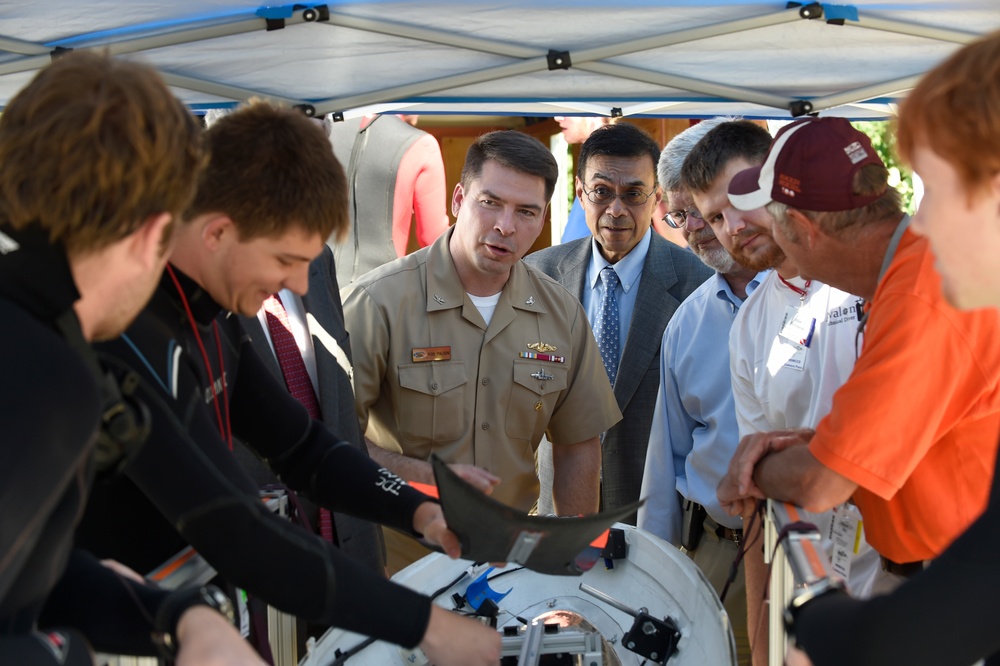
column 322, row 315
column 649, row 277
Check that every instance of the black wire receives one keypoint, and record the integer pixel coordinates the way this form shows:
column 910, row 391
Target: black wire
column 344, row 656
column 505, row 572
column 734, row 568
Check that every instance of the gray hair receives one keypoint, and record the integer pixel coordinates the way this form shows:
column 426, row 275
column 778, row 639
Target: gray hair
column 213, row 115
column 672, row 157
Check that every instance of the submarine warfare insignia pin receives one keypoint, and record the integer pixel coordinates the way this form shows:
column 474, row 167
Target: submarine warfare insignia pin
column 543, row 347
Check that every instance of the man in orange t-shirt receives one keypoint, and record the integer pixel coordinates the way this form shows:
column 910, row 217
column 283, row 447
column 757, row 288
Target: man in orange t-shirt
column 912, row 434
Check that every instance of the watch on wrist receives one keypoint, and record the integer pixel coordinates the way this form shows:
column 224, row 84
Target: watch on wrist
column 176, row 604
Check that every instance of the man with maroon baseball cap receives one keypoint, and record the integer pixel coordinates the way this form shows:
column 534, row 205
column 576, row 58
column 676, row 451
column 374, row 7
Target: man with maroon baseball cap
column 911, row 436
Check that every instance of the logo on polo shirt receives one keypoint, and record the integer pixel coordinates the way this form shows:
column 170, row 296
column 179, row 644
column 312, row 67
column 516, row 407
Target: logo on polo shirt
column 848, row 312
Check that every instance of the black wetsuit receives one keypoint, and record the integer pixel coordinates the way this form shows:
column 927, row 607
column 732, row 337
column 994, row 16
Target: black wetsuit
column 189, row 474
column 50, row 406
column 947, row 615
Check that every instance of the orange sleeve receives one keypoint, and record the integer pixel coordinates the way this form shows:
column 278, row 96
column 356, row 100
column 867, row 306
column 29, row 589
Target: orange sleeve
column 921, row 373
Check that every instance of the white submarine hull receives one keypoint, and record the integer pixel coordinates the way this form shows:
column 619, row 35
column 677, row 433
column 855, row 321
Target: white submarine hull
column 654, row 576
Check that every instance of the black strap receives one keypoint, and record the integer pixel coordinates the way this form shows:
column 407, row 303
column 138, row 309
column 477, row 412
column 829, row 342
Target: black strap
column 125, row 420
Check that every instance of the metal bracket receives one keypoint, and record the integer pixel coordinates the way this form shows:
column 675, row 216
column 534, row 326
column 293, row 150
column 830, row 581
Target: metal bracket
column 308, row 110
column 800, row 107
column 317, row 13
column 559, row 60
column 59, row 52
column 649, row 637
column 813, row 10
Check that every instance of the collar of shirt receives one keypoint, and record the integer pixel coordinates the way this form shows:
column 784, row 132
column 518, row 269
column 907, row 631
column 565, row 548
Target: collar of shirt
column 725, row 293
column 629, row 268
column 445, row 289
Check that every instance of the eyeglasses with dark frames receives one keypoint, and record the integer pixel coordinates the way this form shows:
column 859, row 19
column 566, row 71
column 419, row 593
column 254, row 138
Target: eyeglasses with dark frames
column 604, row 195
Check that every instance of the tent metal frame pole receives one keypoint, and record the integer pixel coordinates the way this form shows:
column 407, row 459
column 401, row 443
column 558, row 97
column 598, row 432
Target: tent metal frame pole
column 508, row 49
column 865, row 93
column 914, row 29
column 685, row 83
column 172, row 38
column 397, row 93
column 527, row 60
column 22, row 47
column 684, row 36
column 539, row 61
column 432, row 36
column 235, row 93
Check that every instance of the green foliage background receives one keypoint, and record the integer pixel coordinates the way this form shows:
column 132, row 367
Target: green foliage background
column 884, row 142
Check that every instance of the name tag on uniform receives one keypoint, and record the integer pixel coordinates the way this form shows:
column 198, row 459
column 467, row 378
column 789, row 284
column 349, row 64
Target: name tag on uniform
column 422, row 354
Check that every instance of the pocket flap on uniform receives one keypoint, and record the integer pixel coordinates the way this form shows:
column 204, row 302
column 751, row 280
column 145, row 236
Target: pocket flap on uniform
column 540, row 377
column 432, row 378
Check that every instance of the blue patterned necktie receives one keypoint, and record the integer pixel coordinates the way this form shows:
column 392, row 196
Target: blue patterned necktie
column 607, row 323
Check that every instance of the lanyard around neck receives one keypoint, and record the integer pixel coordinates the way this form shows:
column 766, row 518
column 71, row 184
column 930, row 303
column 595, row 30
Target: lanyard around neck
column 225, row 428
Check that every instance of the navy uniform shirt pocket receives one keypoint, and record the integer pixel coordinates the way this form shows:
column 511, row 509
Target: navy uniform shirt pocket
column 432, row 400
column 533, row 396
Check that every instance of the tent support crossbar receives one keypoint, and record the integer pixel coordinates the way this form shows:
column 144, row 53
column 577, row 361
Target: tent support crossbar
column 867, row 92
column 688, row 84
column 235, row 93
column 533, row 60
column 22, row 47
column 137, row 44
column 915, row 29
column 493, row 47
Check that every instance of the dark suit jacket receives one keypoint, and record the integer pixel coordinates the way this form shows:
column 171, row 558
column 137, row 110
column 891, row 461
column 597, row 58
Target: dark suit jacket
column 358, row 538
column 669, row 275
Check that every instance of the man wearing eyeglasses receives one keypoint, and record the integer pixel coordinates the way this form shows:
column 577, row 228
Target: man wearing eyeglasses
column 694, row 430
column 630, row 281
column 791, row 345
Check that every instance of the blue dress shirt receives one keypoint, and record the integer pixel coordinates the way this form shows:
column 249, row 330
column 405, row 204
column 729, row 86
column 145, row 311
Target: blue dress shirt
column 629, row 270
column 694, row 432
column 576, row 223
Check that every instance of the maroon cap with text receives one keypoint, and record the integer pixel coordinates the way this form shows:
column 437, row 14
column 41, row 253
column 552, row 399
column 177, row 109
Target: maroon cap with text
column 810, row 166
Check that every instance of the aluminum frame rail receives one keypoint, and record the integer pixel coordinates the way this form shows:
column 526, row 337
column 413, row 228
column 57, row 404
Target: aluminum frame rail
column 526, row 59
column 800, row 568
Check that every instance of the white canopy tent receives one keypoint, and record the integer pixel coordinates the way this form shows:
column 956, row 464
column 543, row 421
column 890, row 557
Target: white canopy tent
column 683, row 58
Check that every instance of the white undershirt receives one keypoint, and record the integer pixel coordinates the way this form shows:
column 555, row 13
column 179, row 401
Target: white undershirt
column 486, row 305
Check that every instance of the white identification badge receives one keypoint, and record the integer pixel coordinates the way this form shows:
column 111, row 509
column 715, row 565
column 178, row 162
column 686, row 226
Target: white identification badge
column 797, row 359
column 845, row 535
column 797, row 327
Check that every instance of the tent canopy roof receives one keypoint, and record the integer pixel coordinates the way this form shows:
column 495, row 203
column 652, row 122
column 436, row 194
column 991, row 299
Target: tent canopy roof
column 684, row 58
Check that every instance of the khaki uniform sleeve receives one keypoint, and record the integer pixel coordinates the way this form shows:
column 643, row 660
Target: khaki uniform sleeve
column 369, row 347
column 588, row 407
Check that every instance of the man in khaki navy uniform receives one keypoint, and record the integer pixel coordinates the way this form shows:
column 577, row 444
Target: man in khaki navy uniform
column 462, row 350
